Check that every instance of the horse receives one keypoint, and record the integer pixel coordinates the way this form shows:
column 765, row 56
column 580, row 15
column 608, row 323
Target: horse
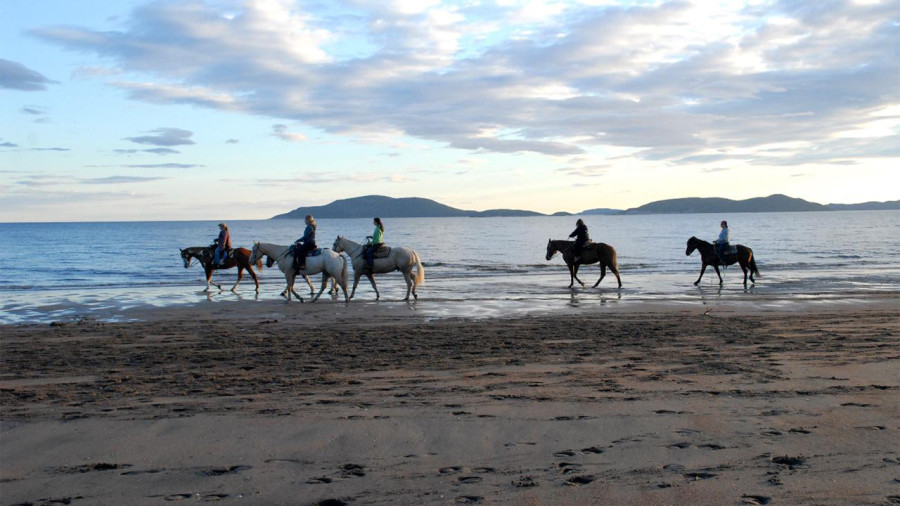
column 743, row 256
column 399, row 259
column 592, row 253
column 239, row 257
column 329, row 263
column 312, row 289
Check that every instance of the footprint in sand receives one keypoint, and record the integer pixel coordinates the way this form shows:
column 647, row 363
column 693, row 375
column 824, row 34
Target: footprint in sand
column 699, row 475
column 450, row 470
column 470, row 479
column 219, row 471
column 579, row 480
column 352, row 470
column 469, row 499
column 790, row 462
column 321, row 479
column 755, row 499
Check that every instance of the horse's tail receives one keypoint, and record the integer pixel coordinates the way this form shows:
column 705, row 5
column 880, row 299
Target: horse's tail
column 753, row 268
column 420, row 270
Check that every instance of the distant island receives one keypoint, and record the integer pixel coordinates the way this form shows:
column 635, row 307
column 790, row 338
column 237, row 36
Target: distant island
column 413, row 207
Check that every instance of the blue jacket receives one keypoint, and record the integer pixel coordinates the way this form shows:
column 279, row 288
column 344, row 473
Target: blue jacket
column 309, row 236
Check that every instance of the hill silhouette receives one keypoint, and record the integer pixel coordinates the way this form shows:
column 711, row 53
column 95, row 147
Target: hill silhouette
column 370, row 206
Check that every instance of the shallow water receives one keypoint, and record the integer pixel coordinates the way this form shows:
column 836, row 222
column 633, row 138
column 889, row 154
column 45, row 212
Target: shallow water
column 474, row 266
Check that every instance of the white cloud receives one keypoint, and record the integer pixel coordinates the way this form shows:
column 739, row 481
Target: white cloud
column 678, row 81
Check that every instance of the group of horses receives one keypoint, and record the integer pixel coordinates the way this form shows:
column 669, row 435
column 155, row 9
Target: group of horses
column 329, row 262
column 332, row 264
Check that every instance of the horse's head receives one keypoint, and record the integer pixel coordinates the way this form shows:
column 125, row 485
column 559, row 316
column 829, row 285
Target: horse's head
column 691, row 246
column 185, row 257
column 551, row 249
column 254, row 253
column 338, row 246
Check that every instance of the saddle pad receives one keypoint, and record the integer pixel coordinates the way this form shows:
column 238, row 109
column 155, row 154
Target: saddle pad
column 314, row 253
column 382, row 252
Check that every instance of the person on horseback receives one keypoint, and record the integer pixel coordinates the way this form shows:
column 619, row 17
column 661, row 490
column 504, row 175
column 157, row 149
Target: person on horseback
column 223, row 245
column 305, row 244
column 722, row 242
column 581, row 238
column 374, row 242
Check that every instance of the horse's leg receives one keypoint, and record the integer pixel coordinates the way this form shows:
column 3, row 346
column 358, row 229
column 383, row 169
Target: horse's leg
column 615, row 270
column 240, row 277
column 743, row 268
column 408, row 279
column 325, row 277
column 571, row 275
column 255, row 278
column 602, row 274
column 374, row 286
column 312, row 287
column 716, row 267
column 575, row 275
column 702, row 270
column 356, row 276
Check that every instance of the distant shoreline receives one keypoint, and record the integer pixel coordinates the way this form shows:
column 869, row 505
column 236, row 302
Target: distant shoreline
column 415, row 207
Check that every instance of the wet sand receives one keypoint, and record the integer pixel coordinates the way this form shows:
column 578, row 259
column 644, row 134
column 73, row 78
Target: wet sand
column 383, row 404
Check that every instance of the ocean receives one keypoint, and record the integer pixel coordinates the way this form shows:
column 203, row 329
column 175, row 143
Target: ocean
column 474, row 266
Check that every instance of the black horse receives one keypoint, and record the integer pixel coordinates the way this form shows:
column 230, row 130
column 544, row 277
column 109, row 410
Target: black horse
column 743, row 256
column 593, row 252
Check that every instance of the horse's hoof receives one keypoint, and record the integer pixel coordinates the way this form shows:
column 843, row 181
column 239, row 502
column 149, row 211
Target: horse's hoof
column 697, row 283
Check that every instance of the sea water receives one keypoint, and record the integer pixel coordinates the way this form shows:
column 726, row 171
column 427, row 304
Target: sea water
column 52, row 271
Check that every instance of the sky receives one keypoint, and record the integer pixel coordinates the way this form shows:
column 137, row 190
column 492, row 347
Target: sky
column 115, row 110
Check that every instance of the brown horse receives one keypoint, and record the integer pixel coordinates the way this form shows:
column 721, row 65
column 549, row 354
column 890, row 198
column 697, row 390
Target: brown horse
column 743, row 256
column 592, row 253
column 239, row 257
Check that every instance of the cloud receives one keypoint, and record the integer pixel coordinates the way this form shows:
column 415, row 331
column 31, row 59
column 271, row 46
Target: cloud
column 335, row 177
column 281, row 132
column 155, row 151
column 119, row 180
column 163, row 166
column 7, row 144
column 15, row 76
column 672, row 81
column 165, row 137
column 232, row 141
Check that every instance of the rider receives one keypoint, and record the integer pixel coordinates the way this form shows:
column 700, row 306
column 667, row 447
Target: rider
column 581, row 238
column 374, row 242
column 305, row 244
column 223, row 245
column 722, row 242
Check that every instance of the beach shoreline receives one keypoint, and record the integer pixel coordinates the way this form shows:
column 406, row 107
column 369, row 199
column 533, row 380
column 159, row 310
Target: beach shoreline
column 735, row 400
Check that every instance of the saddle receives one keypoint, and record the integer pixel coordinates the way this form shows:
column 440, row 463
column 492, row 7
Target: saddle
column 311, row 253
column 381, row 252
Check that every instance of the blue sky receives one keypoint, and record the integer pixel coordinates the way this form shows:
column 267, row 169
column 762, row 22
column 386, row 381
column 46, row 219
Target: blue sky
column 168, row 110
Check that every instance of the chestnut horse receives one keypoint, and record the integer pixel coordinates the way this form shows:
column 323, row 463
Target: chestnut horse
column 743, row 256
column 239, row 257
column 592, row 253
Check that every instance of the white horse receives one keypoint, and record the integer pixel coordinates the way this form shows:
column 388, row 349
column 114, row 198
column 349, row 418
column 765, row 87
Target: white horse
column 329, row 263
column 399, row 259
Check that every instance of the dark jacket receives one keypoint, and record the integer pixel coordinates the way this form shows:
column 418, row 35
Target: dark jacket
column 309, row 236
column 581, row 235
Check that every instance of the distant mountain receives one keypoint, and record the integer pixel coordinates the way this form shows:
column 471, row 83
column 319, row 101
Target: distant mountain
column 772, row 203
column 866, row 206
column 602, row 210
column 388, row 207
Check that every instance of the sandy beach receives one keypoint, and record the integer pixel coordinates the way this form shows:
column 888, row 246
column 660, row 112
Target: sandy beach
column 379, row 404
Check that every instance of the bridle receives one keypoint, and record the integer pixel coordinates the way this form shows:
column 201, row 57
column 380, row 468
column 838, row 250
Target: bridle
column 351, row 253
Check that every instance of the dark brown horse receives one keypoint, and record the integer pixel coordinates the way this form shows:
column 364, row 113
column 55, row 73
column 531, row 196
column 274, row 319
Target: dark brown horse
column 743, row 256
column 239, row 257
column 592, row 253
